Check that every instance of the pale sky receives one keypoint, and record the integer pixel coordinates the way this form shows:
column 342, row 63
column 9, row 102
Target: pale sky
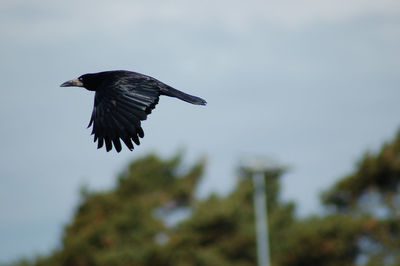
column 311, row 84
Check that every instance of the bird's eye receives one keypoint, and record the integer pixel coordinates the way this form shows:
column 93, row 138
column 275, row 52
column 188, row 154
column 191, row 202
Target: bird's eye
column 80, row 79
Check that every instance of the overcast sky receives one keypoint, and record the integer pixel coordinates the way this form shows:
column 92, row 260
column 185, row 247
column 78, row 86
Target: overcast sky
column 311, row 84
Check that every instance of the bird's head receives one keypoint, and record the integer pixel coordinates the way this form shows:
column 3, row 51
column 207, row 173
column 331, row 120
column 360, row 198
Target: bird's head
column 87, row 81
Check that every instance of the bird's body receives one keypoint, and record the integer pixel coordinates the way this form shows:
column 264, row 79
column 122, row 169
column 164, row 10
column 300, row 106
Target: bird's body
column 122, row 100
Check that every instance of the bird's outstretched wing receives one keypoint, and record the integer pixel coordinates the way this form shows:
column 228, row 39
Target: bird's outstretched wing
column 119, row 107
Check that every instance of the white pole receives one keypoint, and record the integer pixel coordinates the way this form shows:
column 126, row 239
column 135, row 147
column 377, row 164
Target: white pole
column 261, row 217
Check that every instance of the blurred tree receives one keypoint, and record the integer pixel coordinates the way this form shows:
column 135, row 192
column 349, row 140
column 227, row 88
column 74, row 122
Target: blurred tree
column 151, row 218
column 121, row 226
column 376, row 180
column 221, row 230
column 129, row 225
column 372, row 192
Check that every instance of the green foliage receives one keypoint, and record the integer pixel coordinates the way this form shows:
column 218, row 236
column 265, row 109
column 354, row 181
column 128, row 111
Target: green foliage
column 126, row 225
column 378, row 172
column 373, row 191
column 331, row 240
column 119, row 227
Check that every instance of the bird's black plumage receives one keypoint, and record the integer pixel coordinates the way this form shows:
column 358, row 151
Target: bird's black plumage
column 122, row 100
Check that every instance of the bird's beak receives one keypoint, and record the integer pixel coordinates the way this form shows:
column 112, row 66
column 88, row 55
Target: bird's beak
column 72, row 83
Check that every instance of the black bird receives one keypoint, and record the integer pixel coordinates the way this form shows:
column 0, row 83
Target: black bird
column 122, row 100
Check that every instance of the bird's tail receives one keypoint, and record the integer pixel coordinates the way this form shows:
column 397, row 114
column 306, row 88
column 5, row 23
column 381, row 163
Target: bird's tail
column 169, row 91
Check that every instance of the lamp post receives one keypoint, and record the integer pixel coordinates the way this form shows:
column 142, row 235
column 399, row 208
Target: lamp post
column 261, row 220
column 259, row 168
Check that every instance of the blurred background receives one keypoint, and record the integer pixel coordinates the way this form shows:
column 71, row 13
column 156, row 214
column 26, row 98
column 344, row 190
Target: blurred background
column 314, row 85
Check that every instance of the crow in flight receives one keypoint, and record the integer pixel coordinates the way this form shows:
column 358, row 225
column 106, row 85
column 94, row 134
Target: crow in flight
column 122, row 100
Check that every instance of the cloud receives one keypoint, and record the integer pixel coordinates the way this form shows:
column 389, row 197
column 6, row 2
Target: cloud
column 44, row 19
